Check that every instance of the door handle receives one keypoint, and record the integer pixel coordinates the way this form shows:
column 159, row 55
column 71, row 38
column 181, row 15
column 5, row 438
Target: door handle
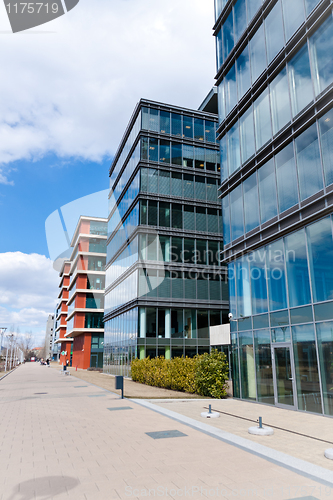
column 291, row 379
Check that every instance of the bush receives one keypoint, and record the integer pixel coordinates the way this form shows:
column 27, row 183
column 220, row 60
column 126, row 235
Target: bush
column 204, row 374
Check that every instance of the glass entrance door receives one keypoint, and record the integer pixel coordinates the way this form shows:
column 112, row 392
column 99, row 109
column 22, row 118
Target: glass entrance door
column 284, row 376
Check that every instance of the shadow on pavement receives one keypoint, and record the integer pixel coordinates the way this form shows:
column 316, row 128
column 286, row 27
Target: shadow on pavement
column 43, row 487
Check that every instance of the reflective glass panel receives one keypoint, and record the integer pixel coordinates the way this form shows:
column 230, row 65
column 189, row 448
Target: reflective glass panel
column 251, row 205
column 247, row 365
column 321, row 44
column 293, row 16
column 297, row 269
column 300, row 80
column 164, row 122
column 219, row 49
column 226, row 220
column 258, row 53
column 240, row 18
column 326, row 139
column 276, row 276
column 188, row 127
column 237, row 214
column 280, row 103
column 243, row 288
column 230, row 89
column 202, row 322
column 262, row 119
column 325, row 351
column 258, row 281
column 199, row 134
column 247, row 135
column 265, row 388
column 252, row 7
column 243, row 72
column 320, row 245
column 153, row 149
column 164, row 151
column 274, row 32
column 286, row 178
column 228, row 35
column 310, row 5
column 308, row 163
column 233, row 148
column 176, row 124
column 267, row 191
column 306, row 367
column 284, row 376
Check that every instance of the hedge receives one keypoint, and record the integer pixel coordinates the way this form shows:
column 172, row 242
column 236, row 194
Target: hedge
column 205, row 374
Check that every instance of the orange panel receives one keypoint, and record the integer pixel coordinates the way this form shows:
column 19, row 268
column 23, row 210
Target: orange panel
column 81, row 351
column 85, row 227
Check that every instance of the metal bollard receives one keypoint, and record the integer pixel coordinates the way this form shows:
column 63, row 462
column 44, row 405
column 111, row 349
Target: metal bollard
column 260, row 422
column 210, row 409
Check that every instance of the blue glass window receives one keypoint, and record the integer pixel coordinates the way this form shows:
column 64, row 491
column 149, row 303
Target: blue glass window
column 274, row 32
column 232, row 288
column 252, row 7
column 300, row 80
column 258, row 53
column 210, row 132
column 176, row 153
column 262, row 120
column 176, row 124
column 308, row 163
column 247, row 135
column 280, row 103
column 221, row 101
column 297, row 269
column 326, row 139
column 321, row 51
column 293, row 16
column 153, row 149
column 286, row 178
column 267, row 191
column 243, row 72
column 240, row 18
column 325, row 349
column 243, row 288
column 199, row 134
column 321, row 257
column 258, row 281
column 237, row 213
column 164, row 151
column 154, row 120
column 276, row 275
column 233, row 148
column 228, row 35
column 219, row 49
column 188, row 127
column 251, row 205
column 226, row 220
column 230, row 90
column 164, row 122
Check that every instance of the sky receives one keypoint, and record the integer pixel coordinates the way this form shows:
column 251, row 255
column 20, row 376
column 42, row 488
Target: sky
column 68, row 89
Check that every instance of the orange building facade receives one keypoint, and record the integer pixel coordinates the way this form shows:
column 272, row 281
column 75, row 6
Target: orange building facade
column 85, row 293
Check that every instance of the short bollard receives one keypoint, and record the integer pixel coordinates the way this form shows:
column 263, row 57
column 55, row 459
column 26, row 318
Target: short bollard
column 210, row 409
column 261, row 431
column 210, row 413
column 119, row 384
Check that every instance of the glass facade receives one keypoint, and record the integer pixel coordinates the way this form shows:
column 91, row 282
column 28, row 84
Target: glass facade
column 276, row 175
column 153, row 230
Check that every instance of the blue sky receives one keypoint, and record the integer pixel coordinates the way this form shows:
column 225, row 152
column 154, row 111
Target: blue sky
column 68, row 90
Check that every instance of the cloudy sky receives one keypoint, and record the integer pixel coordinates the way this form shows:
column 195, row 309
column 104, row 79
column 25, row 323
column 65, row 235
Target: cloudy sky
column 68, row 89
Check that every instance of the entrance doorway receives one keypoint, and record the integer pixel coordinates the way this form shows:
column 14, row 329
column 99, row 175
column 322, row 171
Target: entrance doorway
column 93, row 361
column 283, row 376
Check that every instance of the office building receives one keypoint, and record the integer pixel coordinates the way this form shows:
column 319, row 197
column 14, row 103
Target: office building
column 85, row 301
column 274, row 80
column 165, row 288
column 60, row 323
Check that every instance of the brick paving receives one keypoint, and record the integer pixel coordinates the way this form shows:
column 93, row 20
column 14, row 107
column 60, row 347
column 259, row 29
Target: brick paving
column 59, row 439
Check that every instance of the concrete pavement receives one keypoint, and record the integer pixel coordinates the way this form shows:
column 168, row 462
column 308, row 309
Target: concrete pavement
column 63, row 438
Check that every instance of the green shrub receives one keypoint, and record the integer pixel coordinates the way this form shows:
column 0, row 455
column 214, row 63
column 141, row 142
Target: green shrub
column 211, row 374
column 205, row 374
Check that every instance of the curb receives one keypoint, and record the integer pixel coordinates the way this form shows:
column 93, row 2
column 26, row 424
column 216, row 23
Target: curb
column 11, row 371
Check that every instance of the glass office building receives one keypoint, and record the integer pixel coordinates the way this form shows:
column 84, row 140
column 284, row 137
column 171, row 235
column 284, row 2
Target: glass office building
column 274, row 80
column 165, row 287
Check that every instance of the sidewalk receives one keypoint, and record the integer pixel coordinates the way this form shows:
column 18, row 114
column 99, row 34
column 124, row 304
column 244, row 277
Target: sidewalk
column 63, row 438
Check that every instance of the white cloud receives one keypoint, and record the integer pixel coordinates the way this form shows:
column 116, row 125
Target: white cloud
column 28, row 291
column 72, row 92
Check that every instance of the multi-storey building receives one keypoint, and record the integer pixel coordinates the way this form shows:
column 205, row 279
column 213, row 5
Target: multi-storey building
column 165, row 287
column 49, row 336
column 274, row 80
column 86, row 292
column 60, row 324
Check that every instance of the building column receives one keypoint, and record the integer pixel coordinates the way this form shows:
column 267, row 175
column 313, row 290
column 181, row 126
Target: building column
column 142, row 351
column 167, row 352
column 142, row 322
column 168, row 324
